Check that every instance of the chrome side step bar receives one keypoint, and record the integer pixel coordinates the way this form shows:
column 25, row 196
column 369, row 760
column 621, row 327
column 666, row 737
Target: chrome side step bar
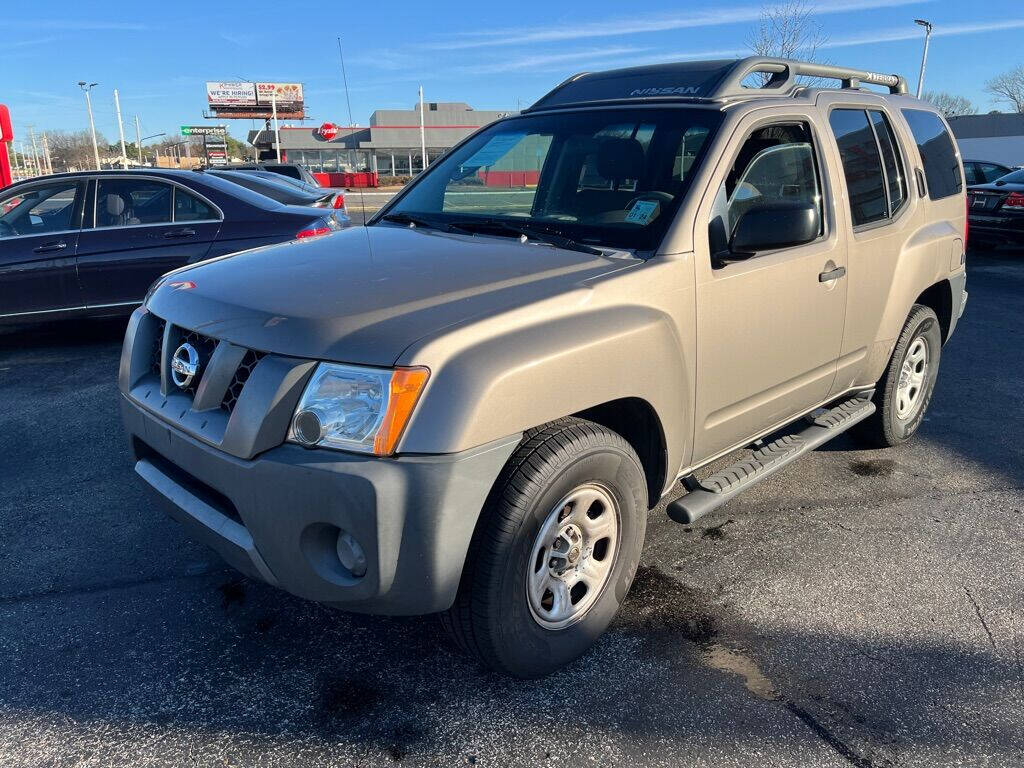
column 719, row 488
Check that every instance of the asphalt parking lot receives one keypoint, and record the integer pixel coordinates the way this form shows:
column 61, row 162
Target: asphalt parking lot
column 860, row 608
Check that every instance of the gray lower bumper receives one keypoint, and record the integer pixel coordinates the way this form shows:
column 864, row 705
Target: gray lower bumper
column 277, row 517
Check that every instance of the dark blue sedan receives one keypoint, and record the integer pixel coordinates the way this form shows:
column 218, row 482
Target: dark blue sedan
column 91, row 243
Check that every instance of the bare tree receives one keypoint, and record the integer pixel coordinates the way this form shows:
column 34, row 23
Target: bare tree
column 73, row 151
column 1008, row 87
column 788, row 30
column 949, row 104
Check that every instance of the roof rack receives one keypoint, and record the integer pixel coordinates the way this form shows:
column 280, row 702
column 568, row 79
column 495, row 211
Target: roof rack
column 704, row 81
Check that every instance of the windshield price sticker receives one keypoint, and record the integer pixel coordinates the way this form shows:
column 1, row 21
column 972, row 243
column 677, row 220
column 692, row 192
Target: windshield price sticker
column 642, row 211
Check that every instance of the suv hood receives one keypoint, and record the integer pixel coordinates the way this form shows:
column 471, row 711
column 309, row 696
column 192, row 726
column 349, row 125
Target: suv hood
column 364, row 294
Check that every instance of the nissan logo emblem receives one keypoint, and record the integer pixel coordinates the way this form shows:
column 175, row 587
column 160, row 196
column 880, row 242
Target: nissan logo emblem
column 184, row 365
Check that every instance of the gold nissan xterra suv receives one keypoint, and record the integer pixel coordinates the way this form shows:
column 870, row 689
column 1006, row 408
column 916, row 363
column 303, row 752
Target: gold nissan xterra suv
column 469, row 406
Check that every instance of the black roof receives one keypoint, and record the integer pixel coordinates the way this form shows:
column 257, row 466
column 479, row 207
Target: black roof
column 717, row 80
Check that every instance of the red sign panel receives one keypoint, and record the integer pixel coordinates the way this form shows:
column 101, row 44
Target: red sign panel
column 328, row 131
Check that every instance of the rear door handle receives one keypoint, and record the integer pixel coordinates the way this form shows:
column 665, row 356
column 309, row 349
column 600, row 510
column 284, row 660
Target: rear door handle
column 180, row 233
column 57, row 245
column 832, row 274
column 922, row 189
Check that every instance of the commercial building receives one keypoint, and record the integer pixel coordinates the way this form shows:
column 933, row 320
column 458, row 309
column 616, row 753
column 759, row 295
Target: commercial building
column 997, row 138
column 389, row 145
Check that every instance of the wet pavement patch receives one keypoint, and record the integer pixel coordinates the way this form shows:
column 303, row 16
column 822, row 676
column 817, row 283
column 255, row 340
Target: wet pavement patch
column 715, row 531
column 873, row 467
column 232, row 592
column 667, row 611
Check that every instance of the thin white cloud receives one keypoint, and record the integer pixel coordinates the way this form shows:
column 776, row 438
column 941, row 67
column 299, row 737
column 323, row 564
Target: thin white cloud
column 639, row 24
column 549, row 61
column 914, row 33
column 35, row 41
column 76, row 26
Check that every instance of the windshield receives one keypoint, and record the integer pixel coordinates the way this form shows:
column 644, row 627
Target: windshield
column 601, row 177
column 1014, row 177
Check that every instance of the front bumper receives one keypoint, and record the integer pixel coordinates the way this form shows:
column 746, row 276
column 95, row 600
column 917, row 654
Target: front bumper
column 215, row 456
column 277, row 517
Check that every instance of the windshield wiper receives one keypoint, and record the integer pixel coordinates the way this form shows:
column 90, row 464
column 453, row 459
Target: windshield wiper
column 525, row 230
column 416, row 221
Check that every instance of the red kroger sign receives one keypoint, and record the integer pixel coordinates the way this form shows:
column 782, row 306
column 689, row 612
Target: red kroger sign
column 328, row 131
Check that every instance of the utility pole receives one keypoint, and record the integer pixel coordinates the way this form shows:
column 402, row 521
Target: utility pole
column 924, row 56
column 120, row 129
column 138, row 139
column 423, row 136
column 92, row 125
column 277, row 128
column 46, row 155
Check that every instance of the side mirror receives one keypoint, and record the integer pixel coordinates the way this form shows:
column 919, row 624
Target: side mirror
column 778, row 224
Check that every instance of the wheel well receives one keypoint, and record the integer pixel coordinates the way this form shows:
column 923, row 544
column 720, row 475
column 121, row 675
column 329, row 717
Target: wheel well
column 940, row 298
column 638, row 423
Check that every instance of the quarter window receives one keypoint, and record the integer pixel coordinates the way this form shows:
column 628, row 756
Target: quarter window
column 938, row 153
column 130, row 202
column 188, row 207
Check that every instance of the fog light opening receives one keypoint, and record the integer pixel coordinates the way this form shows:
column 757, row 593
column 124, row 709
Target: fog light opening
column 308, row 427
column 351, row 554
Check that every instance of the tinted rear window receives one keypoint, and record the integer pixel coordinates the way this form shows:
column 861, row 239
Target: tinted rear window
column 941, row 170
column 862, row 165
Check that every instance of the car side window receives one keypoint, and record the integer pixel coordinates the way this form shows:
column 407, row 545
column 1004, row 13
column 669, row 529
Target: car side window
column 862, row 165
column 131, row 202
column 938, row 153
column 39, row 210
column 188, row 207
column 775, row 164
column 973, row 174
column 892, row 161
column 990, row 172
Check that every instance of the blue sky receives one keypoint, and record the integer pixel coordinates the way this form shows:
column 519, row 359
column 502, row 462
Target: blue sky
column 492, row 55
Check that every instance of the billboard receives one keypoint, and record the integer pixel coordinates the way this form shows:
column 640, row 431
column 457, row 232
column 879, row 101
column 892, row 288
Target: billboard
column 231, row 94
column 245, row 100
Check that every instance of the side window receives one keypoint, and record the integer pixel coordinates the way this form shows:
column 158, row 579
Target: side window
column 130, row 202
column 188, row 207
column 39, row 210
column 776, row 163
column 862, row 165
column 971, row 171
column 895, row 178
column 941, row 169
column 990, row 172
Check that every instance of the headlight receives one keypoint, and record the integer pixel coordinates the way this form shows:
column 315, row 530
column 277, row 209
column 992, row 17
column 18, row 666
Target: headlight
column 352, row 408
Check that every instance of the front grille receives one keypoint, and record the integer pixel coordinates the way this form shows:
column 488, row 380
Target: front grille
column 205, row 346
column 241, row 376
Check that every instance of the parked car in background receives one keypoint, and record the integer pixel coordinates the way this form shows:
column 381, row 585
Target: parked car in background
column 91, row 243
column 983, row 172
column 283, row 189
column 291, row 170
column 996, row 211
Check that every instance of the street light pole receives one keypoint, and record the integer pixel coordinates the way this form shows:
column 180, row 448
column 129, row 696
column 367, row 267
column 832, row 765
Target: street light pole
column 46, row 155
column 138, row 139
column 924, row 56
column 277, row 128
column 120, row 130
column 423, row 137
column 92, row 125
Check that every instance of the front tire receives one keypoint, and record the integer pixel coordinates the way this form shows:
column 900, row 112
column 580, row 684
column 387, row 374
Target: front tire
column 905, row 390
column 554, row 552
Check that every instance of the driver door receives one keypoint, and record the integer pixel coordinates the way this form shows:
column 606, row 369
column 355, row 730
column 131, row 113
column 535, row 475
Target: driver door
column 769, row 325
column 39, row 230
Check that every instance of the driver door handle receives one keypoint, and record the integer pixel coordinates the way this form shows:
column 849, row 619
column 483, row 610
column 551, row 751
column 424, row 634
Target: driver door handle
column 57, row 245
column 832, row 274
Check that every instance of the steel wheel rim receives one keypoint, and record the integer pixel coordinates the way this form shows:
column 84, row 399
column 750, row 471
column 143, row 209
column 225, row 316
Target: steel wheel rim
column 913, row 377
column 573, row 556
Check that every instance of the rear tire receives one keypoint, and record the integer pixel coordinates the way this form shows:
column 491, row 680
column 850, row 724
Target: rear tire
column 905, row 390
column 568, row 509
